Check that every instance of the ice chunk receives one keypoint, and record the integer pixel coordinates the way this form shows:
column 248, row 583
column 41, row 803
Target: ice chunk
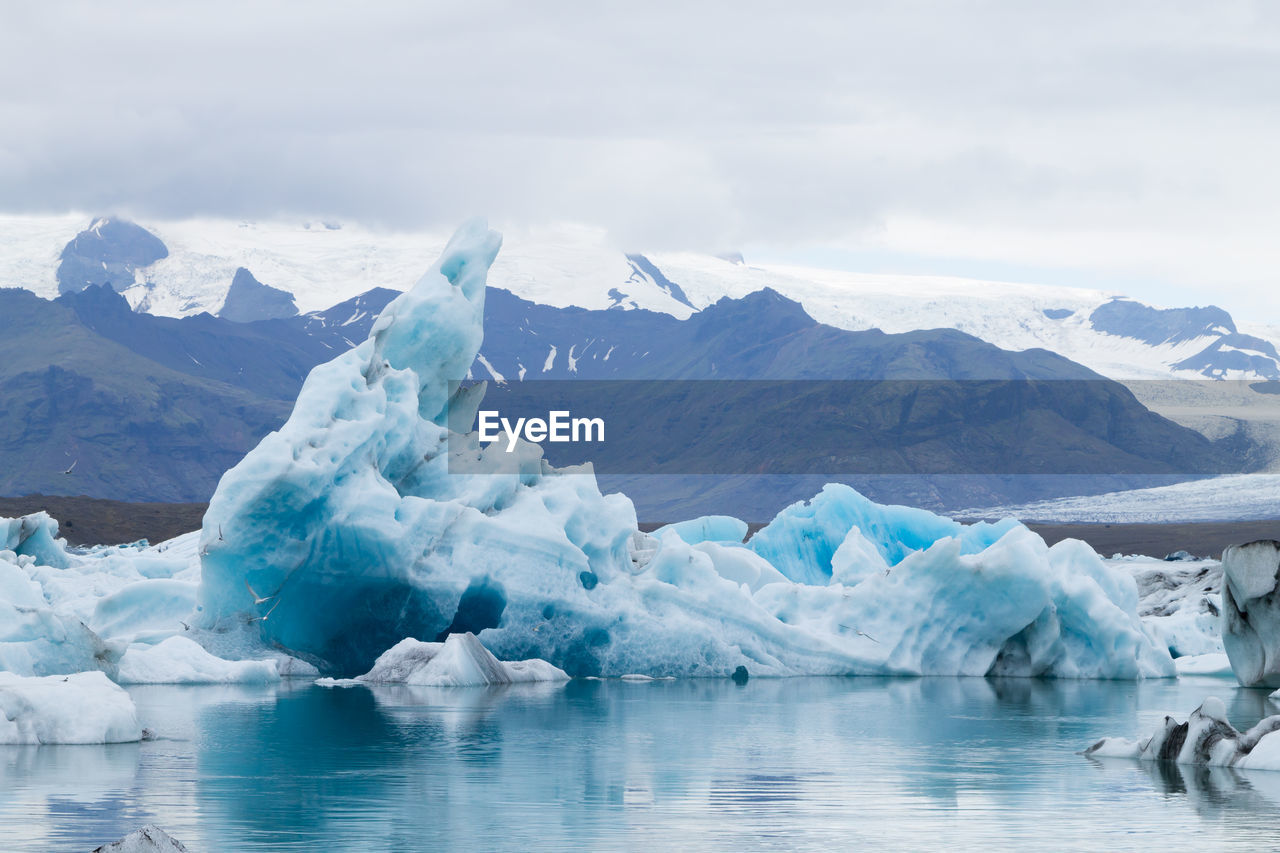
column 1206, row 738
column 1251, row 613
column 802, row 540
column 460, row 661
column 34, row 638
column 36, row 536
column 79, row 708
column 1017, row 608
column 1215, row 663
column 1180, row 602
column 708, row 528
column 149, row 839
column 178, row 660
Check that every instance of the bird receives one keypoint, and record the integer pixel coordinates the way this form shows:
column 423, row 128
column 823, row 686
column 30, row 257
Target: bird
column 184, row 625
column 220, row 533
column 267, row 615
column 72, row 468
column 257, row 599
column 861, row 633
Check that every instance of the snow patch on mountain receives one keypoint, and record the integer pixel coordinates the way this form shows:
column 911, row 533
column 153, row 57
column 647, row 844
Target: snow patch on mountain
column 1239, row 497
column 578, row 266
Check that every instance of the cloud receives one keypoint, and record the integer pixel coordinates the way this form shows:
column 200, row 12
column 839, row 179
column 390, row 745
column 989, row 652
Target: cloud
column 1138, row 140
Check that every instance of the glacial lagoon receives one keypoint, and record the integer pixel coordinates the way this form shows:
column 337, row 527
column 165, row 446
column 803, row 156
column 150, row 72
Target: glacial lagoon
column 801, row 763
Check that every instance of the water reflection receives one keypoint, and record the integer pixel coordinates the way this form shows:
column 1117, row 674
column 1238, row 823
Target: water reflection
column 600, row 765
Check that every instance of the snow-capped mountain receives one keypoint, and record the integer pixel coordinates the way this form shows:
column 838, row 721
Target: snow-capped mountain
column 193, row 263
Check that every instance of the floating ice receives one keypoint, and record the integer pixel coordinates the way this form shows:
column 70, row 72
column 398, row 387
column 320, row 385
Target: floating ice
column 1205, row 738
column 79, row 708
column 178, row 660
column 1214, row 663
column 708, row 528
column 1180, row 602
column 34, row 638
column 346, row 531
column 460, row 661
column 149, row 839
column 1250, row 612
column 65, row 611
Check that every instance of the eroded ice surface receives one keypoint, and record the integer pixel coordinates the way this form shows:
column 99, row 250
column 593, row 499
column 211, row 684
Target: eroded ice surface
column 1180, row 602
column 1251, row 615
column 148, row 839
column 126, row 611
column 460, row 661
column 1206, row 738
column 178, row 660
column 83, row 707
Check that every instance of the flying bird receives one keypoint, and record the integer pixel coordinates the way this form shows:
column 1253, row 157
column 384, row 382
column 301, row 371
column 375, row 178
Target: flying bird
column 861, row 633
column 72, row 468
column 257, row 599
column 267, row 615
column 220, row 533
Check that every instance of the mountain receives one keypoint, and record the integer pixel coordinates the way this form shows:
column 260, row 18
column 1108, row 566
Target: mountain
column 186, row 267
column 122, row 424
column 249, row 299
column 110, row 251
column 763, row 335
column 156, row 408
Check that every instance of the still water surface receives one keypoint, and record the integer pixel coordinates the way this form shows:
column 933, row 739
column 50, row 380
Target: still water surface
column 815, row 763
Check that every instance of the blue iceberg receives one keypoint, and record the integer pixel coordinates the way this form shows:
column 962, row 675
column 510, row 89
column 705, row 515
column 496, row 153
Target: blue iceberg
column 349, row 530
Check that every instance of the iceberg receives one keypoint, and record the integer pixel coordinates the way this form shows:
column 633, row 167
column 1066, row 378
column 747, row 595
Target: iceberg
column 1206, row 738
column 373, row 515
column 1180, row 602
column 35, row 638
column 460, row 661
column 81, row 708
column 1250, row 614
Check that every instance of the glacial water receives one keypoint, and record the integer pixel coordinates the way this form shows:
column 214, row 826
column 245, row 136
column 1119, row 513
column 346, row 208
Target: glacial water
column 817, row 763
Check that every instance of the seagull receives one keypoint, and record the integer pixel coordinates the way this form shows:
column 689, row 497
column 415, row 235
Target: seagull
column 267, row 615
column 861, row 633
column 220, row 533
column 257, row 599
column 72, row 468
column 184, row 625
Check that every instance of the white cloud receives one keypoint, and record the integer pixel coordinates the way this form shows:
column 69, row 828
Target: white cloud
column 1129, row 140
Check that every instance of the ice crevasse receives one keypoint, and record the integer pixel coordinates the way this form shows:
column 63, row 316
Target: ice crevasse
column 346, row 531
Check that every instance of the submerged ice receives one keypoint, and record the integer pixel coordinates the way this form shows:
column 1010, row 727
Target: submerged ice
column 349, row 529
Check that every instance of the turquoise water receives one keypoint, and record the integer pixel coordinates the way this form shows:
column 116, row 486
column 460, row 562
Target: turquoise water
column 815, row 763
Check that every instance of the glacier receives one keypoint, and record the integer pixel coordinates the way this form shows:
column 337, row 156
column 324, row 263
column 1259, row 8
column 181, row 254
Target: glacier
column 359, row 523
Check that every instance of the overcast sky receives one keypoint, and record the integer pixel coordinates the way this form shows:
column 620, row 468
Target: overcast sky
column 1126, row 145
